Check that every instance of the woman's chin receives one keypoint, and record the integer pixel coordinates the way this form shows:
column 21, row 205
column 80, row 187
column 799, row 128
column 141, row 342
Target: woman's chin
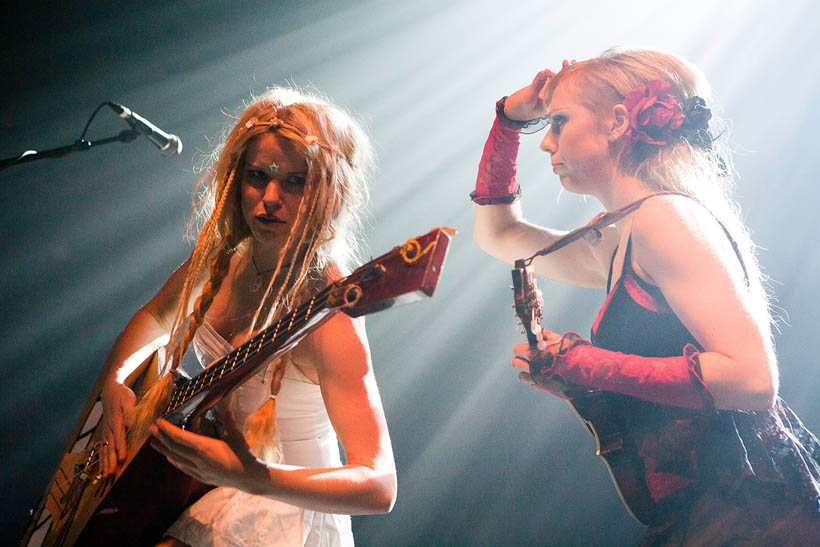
column 570, row 185
column 584, row 187
column 270, row 236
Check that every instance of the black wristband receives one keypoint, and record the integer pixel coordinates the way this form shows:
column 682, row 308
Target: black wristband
column 535, row 125
column 506, row 200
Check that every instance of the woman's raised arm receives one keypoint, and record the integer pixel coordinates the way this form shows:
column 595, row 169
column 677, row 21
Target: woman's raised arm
column 500, row 229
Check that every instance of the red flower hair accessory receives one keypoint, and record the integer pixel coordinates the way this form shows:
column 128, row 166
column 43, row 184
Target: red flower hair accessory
column 653, row 113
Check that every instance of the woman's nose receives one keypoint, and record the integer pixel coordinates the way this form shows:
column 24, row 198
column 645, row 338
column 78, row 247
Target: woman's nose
column 272, row 193
column 548, row 143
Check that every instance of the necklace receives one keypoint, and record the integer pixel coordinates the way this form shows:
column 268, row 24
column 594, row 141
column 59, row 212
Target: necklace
column 256, row 284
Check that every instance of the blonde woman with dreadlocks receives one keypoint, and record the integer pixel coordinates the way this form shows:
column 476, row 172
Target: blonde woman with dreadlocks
column 284, row 196
column 680, row 360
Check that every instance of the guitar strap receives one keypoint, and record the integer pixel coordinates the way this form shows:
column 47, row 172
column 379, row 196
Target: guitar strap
column 592, row 231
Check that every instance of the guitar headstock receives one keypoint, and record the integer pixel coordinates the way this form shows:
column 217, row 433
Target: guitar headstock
column 528, row 302
column 404, row 274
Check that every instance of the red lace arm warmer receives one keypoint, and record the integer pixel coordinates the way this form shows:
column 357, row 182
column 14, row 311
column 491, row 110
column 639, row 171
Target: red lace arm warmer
column 496, row 171
column 674, row 381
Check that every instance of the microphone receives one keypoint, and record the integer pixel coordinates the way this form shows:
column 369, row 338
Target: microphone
column 168, row 144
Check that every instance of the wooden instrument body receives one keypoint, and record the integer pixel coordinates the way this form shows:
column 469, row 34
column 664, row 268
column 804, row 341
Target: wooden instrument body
column 603, row 414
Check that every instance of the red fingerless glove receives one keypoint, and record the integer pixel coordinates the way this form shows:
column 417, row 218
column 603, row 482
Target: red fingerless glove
column 496, row 171
column 674, row 381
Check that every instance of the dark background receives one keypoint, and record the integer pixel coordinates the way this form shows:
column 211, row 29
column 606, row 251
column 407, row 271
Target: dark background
column 85, row 240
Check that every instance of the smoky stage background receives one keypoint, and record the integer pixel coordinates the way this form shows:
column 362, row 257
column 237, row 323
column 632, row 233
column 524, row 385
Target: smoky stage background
column 87, row 239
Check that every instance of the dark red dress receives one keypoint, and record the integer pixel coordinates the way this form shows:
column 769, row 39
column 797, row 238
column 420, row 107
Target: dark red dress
column 715, row 477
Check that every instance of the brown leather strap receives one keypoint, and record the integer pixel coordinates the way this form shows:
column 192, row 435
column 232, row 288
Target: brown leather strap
column 593, row 228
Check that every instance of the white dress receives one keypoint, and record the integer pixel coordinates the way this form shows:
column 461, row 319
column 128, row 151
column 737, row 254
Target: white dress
column 229, row 517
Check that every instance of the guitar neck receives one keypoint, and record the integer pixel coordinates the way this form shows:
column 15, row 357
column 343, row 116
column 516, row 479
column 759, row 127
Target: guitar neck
column 403, row 274
column 527, row 303
column 234, row 367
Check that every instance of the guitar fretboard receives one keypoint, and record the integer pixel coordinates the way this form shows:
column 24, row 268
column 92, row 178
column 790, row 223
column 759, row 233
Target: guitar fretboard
column 266, row 342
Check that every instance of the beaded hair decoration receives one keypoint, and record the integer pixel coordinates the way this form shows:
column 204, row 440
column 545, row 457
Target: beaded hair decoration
column 656, row 117
column 277, row 123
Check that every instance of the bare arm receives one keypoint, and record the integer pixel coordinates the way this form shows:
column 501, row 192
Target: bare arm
column 501, row 231
column 366, row 484
column 703, row 282
column 147, row 330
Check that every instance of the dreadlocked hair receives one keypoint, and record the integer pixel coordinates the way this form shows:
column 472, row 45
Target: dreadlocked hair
column 325, row 231
column 151, row 404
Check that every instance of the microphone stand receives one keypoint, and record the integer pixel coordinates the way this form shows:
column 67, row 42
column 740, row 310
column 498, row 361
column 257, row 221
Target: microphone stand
column 79, row 145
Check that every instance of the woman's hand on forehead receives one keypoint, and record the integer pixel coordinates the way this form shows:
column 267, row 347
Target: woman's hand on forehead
column 527, row 103
column 542, row 95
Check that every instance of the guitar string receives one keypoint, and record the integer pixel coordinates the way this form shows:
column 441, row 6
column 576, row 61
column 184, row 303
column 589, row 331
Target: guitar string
column 70, row 478
column 315, row 304
column 180, row 395
column 192, row 387
column 66, row 484
column 230, row 362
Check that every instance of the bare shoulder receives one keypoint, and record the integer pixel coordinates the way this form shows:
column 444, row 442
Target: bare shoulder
column 164, row 304
column 334, row 272
column 670, row 221
column 672, row 212
column 340, row 344
column 675, row 233
column 340, row 327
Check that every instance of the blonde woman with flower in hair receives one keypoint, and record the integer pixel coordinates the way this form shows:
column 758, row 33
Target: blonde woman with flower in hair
column 680, row 366
column 282, row 202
